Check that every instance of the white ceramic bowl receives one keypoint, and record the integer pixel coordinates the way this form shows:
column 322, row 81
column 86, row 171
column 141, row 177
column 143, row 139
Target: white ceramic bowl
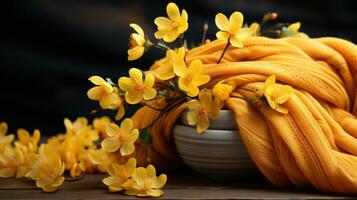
column 219, row 154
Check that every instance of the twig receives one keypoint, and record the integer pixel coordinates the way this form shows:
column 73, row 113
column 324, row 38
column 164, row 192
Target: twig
column 224, row 51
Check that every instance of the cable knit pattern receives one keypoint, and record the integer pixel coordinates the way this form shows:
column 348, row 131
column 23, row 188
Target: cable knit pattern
column 315, row 144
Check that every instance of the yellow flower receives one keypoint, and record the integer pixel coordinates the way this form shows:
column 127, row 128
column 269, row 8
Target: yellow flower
column 102, row 159
column 135, row 88
column 190, row 78
column 137, row 43
column 231, row 30
column 277, row 95
column 222, row 90
column 100, row 124
column 163, row 69
column 203, row 109
column 122, row 138
column 170, row 28
column 47, row 170
column 255, row 29
column 11, row 163
column 5, row 140
column 119, row 175
column 26, row 141
column 85, row 133
column 293, row 31
column 294, row 27
column 146, row 183
column 103, row 92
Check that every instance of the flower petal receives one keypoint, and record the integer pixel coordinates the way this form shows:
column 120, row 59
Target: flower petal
column 140, row 176
column 205, row 98
column 136, row 76
column 180, row 68
column 112, row 129
column 195, row 67
column 95, row 93
column 135, row 53
column 130, row 165
column 294, row 27
column 126, row 84
column 59, row 181
column 149, row 93
column 133, row 135
column 201, row 79
column 282, row 93
column 138, row 29
column 151, row 172
column 269, row 85
column 149, row 81
column 127, row 125
column 127, row 149
column 97, row 80
column 222, row 22
column 202, row 124
column 162, row 23
column 173, row 11
column 160, row 182
column 110, row 144
column 235, row 22
column 222, row 35
column 236, row 42
column 133, row 97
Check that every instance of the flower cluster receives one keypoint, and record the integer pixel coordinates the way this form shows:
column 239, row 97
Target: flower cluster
column 135, row 180
column 106, row 147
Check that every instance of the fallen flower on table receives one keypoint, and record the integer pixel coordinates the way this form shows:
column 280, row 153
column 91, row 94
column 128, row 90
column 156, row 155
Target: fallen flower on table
column 120, row 175
column 146, row 183
column 47, row 170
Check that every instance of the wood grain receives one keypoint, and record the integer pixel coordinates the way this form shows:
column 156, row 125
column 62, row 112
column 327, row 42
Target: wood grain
column 181, row 185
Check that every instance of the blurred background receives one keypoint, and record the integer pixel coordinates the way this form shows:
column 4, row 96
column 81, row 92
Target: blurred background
column 50, row 48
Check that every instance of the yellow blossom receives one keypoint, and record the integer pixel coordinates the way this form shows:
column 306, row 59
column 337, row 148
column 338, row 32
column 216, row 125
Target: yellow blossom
column 146, row 183
column 163, row 69
column 294, row 27
column 136, row 89
column 80, row 128
column 103, row 92
column 137, row 43
column 201, row 110
column 255, row 28
column 11, row 163
column 102, row 159
column 47, row 170
column 5, row 140
column 26, row 141
column 190, row 78
column 100, row 124
column 231, row 30
column 222, row 90
column 277, row 94
column 121, row 138
column 120, row 175
column 170, row 28
column 293, row 31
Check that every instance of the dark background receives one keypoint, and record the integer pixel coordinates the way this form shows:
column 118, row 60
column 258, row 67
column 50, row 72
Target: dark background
column 48, row 49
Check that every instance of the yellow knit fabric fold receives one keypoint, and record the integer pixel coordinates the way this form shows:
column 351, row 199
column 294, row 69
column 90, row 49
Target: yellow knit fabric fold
column 315, row 144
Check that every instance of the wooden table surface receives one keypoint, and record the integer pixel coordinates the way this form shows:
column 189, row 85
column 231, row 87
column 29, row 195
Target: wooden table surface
column 181, row 185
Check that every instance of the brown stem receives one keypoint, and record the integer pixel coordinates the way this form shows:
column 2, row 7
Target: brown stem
column 224, row 51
